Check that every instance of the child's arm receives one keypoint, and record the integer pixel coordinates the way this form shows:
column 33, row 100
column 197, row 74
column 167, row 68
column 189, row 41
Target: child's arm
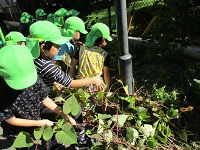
column 106, row 76
column 88, row 81
column 73, row 68
column 29, row 123
column 48, row 103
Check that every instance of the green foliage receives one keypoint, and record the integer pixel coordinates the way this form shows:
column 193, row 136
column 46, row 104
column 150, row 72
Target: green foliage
column 71, row 105
column 64, row 132
column 46, row 132
column 23, row 140
column 67, row 136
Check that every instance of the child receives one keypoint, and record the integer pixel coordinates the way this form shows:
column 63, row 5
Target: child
column 22, row 93
column 50, row 17
column 73, row 27
column 49, row 48
column 92, row 58
column 16, row 37
column 40, row 14
column 25, row 22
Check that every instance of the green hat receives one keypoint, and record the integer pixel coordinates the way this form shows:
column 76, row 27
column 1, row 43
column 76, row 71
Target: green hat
column 18, row 71
column 26, row 15
column 40, row 12
column 62, row 12
column 73, row 12
column 98, row 30
column 59, row 21
column 32, row 17
column 33, row 44
column 73, row 24
column 15, row 36
column 24, row 20
column 47, row 31
column 50, row 17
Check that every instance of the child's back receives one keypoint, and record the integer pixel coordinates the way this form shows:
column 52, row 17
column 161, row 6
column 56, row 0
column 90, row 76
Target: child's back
column 92, row 58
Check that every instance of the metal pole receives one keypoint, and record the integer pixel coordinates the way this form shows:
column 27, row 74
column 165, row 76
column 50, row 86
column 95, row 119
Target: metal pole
column 125, row 58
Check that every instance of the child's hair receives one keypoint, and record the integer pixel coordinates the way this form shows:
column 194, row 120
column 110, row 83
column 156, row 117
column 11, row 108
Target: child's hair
column 47, row 46
column 98, row 41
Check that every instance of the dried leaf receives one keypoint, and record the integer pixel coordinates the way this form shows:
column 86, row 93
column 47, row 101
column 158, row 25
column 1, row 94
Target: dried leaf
column 66, row 59
column 186, row 109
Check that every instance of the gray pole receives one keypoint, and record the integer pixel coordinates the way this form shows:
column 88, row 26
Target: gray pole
column 125, row 58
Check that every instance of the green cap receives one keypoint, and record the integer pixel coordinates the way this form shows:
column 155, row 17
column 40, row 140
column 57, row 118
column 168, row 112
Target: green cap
column 98, row 30
column 73, row 12
column 24, row 20
column 50, row 17
column 62, row 12
column 15, row 36
column 40, row 12
column 59, row 21
column 45, row 30
column 73, row 24
column 26, row 15
column 31, row 17
column 18, row 71
column 33, row 44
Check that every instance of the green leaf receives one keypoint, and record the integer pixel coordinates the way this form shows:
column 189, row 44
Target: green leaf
column 60, row 122
column 183, row 135
column 164, row 140
column 104, row 116
column 142, row 110
column 47, row 133
column 109, row 95
column 132, row 135
column 100, row 127
column 37, row 133
column 67, row 136
column 141, row 142
column 167, row 131
column 144, row 116
column 100, row 95
column 59, row 99
column 108, row 136
column 67, row 107
column 172, row 113
column 132, row 104
column 83, row 95
column 75, row 106
column 23, row 140
column 151, row 142
column 146, row 129
column 121, row 119
column 138, row 123
column 71, row 105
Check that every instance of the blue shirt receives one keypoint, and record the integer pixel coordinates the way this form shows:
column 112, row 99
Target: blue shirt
column 67, row 47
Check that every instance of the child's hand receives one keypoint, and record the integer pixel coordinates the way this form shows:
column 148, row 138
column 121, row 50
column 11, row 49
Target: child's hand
column 72, row 121
column 99, row 83
column 46, row 122
column 57, row 86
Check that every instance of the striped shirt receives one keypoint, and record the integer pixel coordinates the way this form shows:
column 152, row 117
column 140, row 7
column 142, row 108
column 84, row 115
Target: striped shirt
column 50, row 73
